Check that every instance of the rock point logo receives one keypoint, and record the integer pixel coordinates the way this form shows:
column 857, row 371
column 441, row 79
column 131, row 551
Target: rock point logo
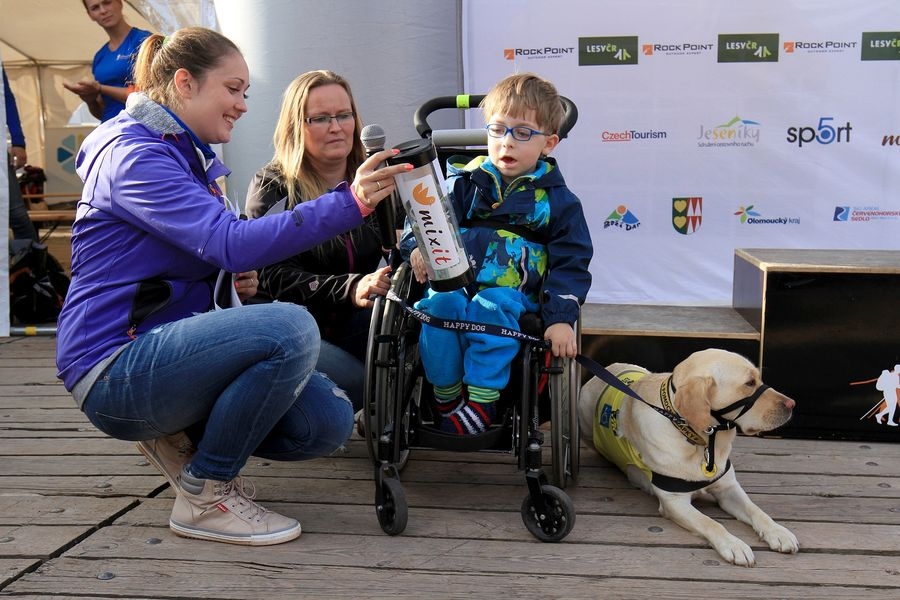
column 829, row 46
column 622, row 218
column 687, row 214
column 531, row 53
column 681, row 49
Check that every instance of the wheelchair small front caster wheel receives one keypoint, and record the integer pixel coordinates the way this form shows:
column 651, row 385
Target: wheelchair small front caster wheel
column 556, row 521
column 393, row 511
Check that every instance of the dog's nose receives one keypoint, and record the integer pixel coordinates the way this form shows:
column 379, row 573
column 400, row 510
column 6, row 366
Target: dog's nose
column 789, row 403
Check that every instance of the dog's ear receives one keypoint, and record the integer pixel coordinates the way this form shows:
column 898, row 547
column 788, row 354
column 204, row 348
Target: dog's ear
column 693, row 401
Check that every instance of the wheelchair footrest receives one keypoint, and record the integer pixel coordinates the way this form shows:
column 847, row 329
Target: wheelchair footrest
column 435, row 438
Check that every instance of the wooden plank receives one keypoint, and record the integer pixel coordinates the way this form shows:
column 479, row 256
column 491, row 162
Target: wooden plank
column 61, row 214
column 822, row 261
column 37, row 541
column 642, row 530
column 409, row 553
column 193, row 578
column 30, row 509
column 721, row 322
column 10, row 568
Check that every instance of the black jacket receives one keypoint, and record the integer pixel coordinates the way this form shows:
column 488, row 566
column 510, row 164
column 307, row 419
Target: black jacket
column 322, row 278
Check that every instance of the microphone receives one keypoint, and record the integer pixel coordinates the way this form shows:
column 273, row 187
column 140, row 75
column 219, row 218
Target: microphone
column 372, row 137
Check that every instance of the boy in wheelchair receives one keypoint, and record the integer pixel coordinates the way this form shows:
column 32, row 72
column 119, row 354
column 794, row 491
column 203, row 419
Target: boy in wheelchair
column 529, row 245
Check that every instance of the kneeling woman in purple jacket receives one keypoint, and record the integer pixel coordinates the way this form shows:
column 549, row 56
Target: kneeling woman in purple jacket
column 140, row 344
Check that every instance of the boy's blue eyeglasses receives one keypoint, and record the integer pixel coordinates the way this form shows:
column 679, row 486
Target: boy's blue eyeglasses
column 325, row 120
column 520, row 132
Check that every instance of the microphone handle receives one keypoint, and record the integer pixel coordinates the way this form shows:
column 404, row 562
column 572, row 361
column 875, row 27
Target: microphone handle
column 384, row 212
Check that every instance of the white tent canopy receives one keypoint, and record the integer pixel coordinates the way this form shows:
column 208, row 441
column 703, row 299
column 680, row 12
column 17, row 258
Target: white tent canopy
column 46, row 42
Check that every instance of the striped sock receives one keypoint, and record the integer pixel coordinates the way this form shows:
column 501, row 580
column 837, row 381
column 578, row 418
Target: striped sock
column 448, row 399
column 469, row 418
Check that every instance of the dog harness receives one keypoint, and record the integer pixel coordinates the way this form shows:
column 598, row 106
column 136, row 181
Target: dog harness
column 607, row 441
column 622, row 453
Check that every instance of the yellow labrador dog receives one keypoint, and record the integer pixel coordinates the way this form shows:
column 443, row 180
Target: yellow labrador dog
column 678, row 448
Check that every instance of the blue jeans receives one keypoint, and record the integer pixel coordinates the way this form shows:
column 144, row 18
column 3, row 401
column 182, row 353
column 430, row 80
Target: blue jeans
column 19, row 222
column 239, row 381
column 343, row 355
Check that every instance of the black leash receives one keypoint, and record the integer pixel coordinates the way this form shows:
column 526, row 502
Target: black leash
column 605, row 375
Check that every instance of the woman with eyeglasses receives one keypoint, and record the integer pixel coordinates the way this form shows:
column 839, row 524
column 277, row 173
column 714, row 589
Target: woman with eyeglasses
column 317, row 145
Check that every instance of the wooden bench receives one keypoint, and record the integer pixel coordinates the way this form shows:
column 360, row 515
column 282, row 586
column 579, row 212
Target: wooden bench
column 47, row 214
column 658, row 336
column 666, row 321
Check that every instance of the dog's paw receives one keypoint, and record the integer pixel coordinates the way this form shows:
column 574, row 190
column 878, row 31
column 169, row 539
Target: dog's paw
column 780, row 539
column 735, row 551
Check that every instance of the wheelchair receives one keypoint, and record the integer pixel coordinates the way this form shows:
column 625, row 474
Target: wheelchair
column 398, row 417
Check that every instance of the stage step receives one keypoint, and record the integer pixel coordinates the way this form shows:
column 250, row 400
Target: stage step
column 722, row 322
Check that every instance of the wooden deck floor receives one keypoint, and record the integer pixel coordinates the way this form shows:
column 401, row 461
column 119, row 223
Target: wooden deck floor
column 84, row 516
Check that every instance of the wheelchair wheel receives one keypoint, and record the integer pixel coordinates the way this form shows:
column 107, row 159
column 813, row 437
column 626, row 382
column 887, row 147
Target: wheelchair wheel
column 393, row 511
column 564, row 432
column 558, row 520
column 366, row 424
column 388, row 382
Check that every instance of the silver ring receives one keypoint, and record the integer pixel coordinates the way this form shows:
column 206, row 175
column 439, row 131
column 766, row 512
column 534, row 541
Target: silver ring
column 378, row 183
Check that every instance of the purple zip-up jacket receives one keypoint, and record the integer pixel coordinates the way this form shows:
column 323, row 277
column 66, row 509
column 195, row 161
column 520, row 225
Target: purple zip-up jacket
column 152, row 231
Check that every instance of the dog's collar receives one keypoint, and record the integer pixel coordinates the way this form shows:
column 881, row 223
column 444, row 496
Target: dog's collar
column 725, row 424
column 665, row 396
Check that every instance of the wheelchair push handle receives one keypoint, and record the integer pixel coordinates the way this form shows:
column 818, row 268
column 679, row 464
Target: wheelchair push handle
column 467, row 101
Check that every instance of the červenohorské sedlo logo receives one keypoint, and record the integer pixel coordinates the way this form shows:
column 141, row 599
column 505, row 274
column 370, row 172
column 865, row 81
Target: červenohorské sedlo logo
column 748, row 47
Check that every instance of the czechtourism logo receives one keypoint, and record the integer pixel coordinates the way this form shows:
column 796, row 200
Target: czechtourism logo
column 632, row 135
column 687, row 214
column 620, row 50
column 748, row 47
column 737, row 132
column 864, row 214
column 537, row 53
column 748, row 216
column 622, row 218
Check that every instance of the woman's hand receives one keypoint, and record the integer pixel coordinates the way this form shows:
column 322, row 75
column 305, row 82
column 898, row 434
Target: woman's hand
column 245, row 284
column 86, row 89
column 562, row 340
column 373, row 284
column 374, row 182
column 417, row 262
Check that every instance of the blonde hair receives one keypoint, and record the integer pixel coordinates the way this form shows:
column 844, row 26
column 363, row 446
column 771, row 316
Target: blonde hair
column 196, row 49
column 290, row 160
column 517, row 94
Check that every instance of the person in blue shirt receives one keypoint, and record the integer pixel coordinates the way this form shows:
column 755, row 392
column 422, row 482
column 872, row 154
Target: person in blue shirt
column 19, row 222
column 105, row 94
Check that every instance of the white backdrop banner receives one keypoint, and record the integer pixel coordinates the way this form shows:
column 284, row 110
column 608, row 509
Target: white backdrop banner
column 706, row 126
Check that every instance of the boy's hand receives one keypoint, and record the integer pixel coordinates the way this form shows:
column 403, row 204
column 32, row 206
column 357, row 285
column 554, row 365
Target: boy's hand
column 418, row 265
column 562, row 340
